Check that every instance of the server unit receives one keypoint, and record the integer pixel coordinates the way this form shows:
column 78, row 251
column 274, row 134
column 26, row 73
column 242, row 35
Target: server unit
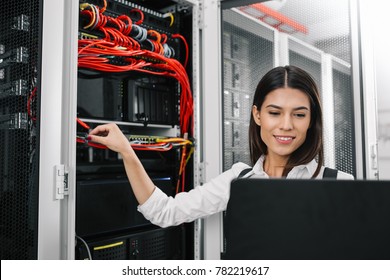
column 154, row 244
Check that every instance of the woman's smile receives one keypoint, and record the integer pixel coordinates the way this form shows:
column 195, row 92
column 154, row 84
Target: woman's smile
column 284, row 139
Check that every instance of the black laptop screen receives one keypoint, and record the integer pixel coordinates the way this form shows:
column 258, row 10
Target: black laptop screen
column 308, row 219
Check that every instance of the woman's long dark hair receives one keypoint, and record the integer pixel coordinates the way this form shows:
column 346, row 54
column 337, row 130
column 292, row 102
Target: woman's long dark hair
column 296, row 78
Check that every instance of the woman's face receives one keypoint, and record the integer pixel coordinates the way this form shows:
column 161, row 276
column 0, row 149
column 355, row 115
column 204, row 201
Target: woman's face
column 284, row 118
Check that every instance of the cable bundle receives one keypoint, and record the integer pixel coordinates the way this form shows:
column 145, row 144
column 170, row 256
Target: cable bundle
column 120, row 51
column 137, row 143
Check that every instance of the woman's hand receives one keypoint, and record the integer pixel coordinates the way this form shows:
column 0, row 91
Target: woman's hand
column 111, row 136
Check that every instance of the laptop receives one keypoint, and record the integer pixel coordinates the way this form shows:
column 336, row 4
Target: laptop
column 296, row 219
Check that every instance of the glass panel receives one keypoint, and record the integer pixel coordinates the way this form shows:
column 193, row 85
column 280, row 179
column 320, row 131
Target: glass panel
column 309, row 65
column 343, row 121
column 248, row 53
column 314, row 29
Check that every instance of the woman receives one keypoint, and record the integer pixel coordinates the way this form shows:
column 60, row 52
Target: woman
column 285, row 135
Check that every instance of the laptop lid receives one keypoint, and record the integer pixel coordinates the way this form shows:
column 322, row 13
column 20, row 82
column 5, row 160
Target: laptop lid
column 308, row 219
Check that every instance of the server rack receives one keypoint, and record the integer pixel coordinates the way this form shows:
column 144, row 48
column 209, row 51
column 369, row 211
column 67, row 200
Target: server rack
column 333, row 75
column 249, row 51
column 274, row 47
column 146, row 91
column 269, row 47
column 146, row 106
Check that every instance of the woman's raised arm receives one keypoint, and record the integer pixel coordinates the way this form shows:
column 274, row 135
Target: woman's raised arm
column 111, row 136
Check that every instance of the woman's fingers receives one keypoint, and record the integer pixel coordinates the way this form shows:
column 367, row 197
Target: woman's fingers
column 102, row 134
column 111, row 136
column 103, row 129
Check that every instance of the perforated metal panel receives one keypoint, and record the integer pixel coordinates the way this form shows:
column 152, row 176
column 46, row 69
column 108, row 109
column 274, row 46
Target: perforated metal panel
column 328, row 31
column 344, row 122
column 114, row 251
column 248, row 53
column 19, row 68
column 310, row 65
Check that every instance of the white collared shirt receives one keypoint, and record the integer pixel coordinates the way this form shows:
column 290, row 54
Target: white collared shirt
column 212, row 197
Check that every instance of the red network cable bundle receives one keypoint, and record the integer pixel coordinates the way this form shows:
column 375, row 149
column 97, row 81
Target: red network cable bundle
column 124, row 44
column 132, row 63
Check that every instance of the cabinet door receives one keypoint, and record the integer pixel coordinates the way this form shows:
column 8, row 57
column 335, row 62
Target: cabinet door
column 58, row 130
column 258, row 36
column 249, row 51
column 20, row 120
column 34, row 89
column 242, row 40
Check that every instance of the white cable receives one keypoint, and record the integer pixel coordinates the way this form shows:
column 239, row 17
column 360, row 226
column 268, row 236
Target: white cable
column 86, row 246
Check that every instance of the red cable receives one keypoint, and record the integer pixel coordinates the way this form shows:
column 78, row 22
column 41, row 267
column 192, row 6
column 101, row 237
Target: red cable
column 30, row 99
column 141, row 20
column 185, row 45
column 83, row 124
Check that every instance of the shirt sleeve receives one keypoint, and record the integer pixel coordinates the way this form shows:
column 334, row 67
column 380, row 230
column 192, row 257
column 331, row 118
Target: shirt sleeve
column 202, row 201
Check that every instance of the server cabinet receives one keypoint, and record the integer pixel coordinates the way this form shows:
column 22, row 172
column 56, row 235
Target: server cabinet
column 63, row 175
column 20, row 66
column 139, row 76
column 274, row 40
column 249, row 51
column 332, row 74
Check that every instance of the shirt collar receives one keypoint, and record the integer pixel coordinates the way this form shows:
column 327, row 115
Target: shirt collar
column 301, row 170
column 310, row 167
column 258, row 168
